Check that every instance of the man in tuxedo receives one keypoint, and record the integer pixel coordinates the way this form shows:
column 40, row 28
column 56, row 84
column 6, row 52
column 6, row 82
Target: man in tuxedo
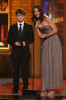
column 19, row 37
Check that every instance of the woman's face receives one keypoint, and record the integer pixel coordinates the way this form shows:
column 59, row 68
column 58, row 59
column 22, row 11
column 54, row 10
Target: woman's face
column 36, row 12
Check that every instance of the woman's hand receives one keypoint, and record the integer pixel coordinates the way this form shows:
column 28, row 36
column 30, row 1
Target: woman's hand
column 43, row 36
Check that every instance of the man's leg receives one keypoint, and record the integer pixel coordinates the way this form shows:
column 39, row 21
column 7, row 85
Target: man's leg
column 16, row 66
column 25, row 67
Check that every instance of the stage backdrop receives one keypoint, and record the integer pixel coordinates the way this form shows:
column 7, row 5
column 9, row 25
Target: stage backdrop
column 3, row 30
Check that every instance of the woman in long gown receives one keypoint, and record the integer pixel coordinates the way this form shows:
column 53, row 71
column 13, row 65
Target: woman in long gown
column 51, row 56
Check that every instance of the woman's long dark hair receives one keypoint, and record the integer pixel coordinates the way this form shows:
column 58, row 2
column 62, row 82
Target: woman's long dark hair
column 41, row 18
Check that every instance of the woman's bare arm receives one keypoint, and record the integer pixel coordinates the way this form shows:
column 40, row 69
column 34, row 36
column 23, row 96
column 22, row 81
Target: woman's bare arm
column 52, row 25
column 39, row 33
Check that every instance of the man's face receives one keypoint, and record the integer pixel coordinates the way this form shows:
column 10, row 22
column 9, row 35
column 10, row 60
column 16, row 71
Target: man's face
column 20, row 17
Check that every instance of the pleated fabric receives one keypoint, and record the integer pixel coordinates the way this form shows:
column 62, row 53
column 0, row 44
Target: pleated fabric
column 51, row 63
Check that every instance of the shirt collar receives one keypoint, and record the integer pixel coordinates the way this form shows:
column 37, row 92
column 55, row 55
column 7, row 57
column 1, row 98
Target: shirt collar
column 20, row 23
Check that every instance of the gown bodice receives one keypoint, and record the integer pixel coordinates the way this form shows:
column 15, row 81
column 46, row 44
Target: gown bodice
column 45, row 29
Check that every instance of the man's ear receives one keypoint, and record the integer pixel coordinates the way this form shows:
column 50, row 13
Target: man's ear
column 24, row 17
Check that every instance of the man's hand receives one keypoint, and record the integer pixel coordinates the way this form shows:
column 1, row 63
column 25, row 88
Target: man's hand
column 17, row 44
column 24, row 44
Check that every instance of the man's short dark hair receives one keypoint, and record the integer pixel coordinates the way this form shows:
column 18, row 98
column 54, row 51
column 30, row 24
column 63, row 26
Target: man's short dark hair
column 20, row 11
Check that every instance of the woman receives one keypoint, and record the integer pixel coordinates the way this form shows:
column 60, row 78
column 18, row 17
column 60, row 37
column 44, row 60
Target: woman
column 51, row 57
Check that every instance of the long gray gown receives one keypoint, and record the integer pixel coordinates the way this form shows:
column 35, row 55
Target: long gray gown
column 51, row 61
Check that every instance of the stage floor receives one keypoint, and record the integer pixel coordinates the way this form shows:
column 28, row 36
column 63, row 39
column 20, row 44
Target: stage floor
column 6, row 86
column 6, row 96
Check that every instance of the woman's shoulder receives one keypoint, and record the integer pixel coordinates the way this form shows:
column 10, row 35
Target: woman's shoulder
column 46, row 17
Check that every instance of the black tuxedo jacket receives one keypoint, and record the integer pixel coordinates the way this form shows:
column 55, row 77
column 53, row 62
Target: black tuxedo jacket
column 27, row 36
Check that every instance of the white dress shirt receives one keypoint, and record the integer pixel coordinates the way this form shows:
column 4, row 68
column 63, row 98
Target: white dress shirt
column 18, row 24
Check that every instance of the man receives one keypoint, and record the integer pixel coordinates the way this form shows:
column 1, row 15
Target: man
column 19, row 37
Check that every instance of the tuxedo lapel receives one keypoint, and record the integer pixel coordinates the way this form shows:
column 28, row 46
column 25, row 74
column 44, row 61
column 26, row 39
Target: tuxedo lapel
column 16, row 27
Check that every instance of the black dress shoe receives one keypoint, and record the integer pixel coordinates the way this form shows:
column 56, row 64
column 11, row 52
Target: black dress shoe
column 25, row 88
column 15, row 92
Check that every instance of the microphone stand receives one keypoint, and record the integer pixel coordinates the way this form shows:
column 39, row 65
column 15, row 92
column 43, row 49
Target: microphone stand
column 31, row 92
column 33, row 63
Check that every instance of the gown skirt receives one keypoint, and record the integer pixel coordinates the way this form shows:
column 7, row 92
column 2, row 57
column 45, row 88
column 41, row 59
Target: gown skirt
column 51, row 63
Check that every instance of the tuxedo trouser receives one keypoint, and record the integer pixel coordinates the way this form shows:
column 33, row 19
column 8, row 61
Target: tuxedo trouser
column 24, row 67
